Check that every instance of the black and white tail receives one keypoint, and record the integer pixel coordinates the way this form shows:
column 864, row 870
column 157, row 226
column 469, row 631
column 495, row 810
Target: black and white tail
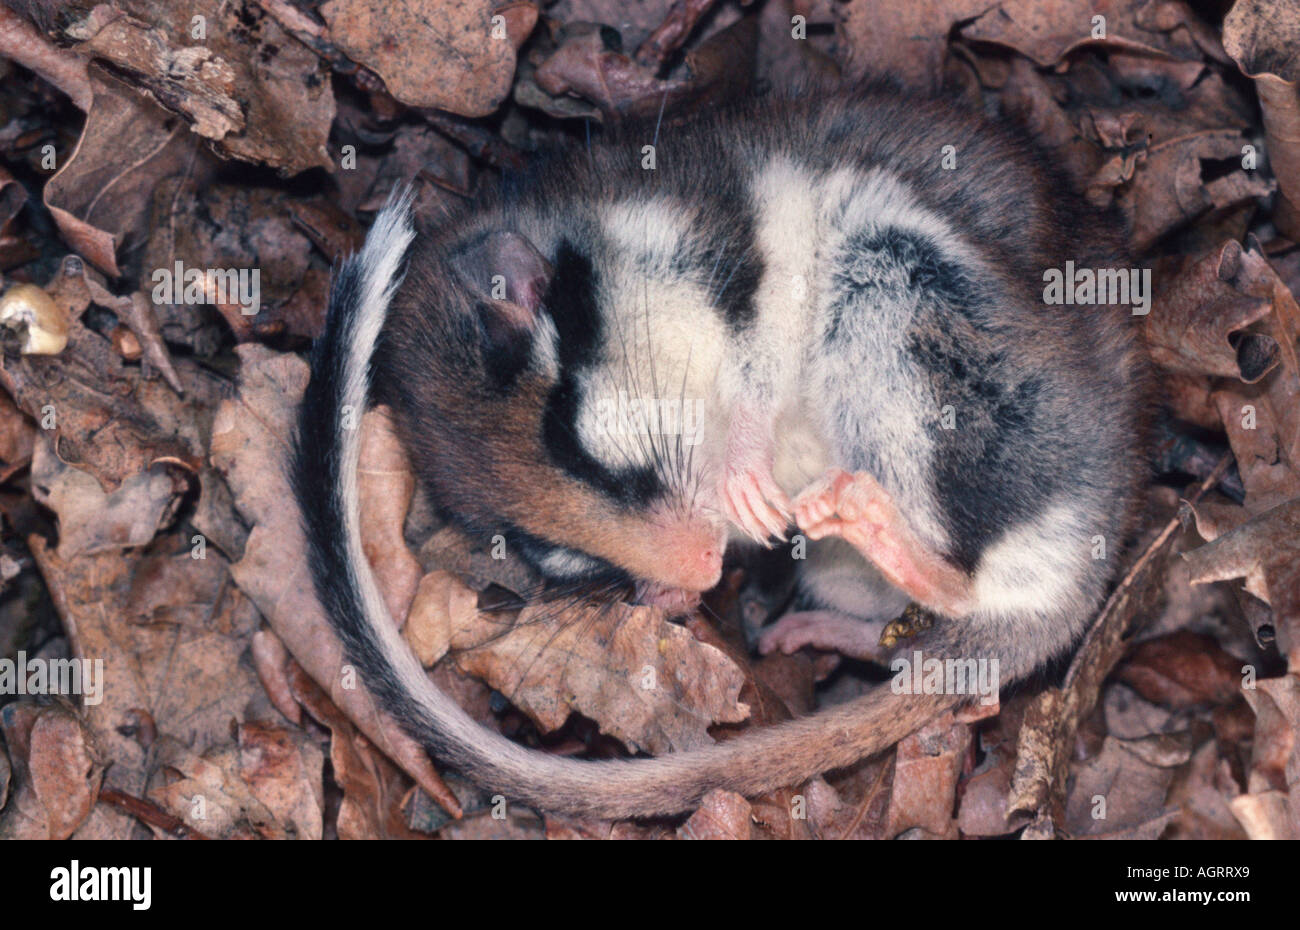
column 324, row 478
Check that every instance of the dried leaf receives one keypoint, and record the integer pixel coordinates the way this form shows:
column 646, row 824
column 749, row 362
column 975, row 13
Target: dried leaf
column 271, row 660
column 245, row 83
column 1115, row 791
column 61, row 768
column 285, row 774
column 1193, row 320
column 429, row 54
column 441, row 604
column 372, row 786
column 1182, row 670
column 21, row 42
column 925, row 777
column 646, row 681
column 1266, row 552
column 907, row 41
column 722, row 815
column 1204, row 806
column 101, row 192
column 179, row 666
column 1169, row 188
column 1262, row 36
column 1048, row 30
column 92, row 521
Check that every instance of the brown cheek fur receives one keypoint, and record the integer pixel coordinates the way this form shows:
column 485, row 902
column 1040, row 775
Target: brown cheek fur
column 545, row 501
column 498, row 444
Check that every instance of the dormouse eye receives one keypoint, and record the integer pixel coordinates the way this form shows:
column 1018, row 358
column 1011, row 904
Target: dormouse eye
column 559, row 563
column 566, row 564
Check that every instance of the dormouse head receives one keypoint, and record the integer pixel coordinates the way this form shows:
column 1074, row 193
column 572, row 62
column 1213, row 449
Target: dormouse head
column 554, row 388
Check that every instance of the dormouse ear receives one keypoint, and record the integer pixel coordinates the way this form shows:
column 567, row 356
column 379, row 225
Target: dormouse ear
column 507, row 273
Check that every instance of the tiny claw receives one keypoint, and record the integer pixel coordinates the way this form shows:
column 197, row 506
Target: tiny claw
column 753, row 503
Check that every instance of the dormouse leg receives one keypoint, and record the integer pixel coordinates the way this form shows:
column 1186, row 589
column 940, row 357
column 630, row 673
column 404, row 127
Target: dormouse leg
column 857, row 509
column 750, row 496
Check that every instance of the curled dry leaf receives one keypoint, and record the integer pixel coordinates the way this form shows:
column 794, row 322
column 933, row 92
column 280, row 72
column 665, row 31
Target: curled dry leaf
column 1193, row 319
column 672, row 32
column 645, row 681
column 91, row 520
column 1262, row 37
column 1263, row 426
column 431, row 54
column 1266, row 552
column 589, row 62
column 271, row 660
column 101, row 192
column 1169, row 187
column 23, row 43
column 372, row 786
column 1271, row 807
column 1048, row 30
column 59, row 771
column 1255, row 431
